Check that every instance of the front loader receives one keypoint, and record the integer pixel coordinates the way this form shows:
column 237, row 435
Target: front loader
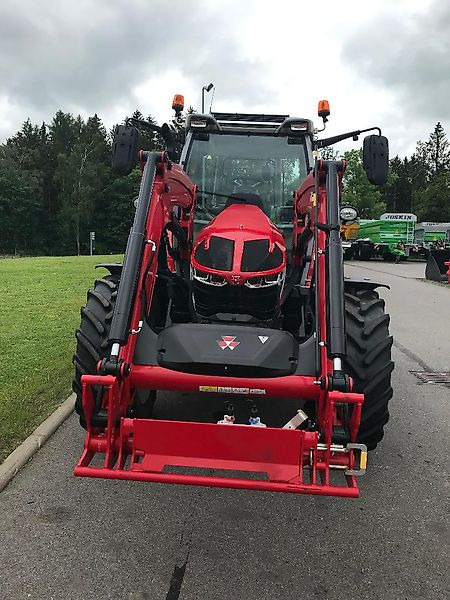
column 232, row 290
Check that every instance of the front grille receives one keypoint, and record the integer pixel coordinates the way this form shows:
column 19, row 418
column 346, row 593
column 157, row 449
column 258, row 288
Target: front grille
column 257, row 302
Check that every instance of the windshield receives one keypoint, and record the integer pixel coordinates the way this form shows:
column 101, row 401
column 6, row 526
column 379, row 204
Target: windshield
column 267, row 167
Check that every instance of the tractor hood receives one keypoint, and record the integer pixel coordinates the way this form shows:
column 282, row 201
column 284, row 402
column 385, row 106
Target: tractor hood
column 240, row 246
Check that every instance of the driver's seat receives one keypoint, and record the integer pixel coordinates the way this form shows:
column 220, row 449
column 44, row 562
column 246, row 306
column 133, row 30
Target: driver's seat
column 246, row 198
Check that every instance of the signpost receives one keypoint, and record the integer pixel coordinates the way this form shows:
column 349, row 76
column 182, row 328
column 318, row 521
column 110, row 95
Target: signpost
column 91, row 242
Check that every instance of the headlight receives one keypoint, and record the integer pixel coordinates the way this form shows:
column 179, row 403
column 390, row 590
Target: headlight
column 208, row 278
column 266, row 280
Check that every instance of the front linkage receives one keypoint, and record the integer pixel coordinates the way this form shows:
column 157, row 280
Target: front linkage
column 289, row 460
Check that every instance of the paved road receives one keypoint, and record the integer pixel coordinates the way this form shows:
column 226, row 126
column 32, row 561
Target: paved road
column 67, row 538
column 420, row 309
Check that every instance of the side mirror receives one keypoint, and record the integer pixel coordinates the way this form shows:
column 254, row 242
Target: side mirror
column 348, row 214
column 125, row 150
column 376, row 159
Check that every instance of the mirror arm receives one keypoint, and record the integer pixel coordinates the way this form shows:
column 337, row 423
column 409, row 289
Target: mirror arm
column 139, row 124
column 344, row 136
column 169, row 136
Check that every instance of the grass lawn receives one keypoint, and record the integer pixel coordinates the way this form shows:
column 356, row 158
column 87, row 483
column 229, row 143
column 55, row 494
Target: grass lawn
column 39, row 312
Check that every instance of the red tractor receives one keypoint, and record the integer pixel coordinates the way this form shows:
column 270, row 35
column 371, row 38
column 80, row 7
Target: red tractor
column 233, row 289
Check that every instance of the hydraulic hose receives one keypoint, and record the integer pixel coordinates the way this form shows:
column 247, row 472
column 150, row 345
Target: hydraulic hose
column 133, row 258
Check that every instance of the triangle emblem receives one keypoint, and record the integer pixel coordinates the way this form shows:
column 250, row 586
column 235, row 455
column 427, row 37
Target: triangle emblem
column 263, row 338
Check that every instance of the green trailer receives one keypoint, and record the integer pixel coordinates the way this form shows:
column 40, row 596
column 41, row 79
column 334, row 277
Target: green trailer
column 390, row 237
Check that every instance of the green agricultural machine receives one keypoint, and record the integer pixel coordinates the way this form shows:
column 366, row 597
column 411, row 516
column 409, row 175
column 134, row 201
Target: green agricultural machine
column 429, row 236
column 432, row 241
column 390, row 237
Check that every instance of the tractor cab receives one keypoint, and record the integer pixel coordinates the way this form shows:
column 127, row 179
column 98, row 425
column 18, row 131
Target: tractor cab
column 247, row 159
column 246, row 168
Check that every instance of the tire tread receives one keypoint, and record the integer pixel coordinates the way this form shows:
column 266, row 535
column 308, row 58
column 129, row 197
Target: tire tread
column 368, row 360
column 92, row 335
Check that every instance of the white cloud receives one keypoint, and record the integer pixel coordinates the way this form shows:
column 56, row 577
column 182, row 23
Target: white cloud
column 91, row 56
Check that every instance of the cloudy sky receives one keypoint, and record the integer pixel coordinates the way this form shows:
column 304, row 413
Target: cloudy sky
column 382, row 62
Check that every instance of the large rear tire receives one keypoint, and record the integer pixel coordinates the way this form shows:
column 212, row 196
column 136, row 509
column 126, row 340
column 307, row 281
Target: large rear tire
column 368, row 360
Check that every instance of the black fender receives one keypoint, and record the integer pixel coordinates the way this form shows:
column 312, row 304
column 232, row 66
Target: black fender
column 366, row 284
column 114, row 268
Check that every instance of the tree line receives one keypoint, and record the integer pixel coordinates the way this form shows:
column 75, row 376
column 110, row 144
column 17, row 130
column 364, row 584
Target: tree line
column 56, row 185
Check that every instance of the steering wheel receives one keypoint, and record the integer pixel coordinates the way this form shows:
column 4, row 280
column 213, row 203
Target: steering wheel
column 241, row 186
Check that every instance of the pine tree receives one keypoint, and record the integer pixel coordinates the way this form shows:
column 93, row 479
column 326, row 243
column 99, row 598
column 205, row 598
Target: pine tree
column 20, row 208
column 438, row 150
column 429, row 175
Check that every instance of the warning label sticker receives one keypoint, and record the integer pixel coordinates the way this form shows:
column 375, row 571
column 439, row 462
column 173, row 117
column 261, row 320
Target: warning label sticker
column 231, row 390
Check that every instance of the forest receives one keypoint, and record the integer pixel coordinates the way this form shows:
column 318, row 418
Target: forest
column 56, row 185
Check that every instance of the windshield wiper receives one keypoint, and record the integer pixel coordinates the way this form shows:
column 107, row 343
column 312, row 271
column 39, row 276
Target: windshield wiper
column 232, row 196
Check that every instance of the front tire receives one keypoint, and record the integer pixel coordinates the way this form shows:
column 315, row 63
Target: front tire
column 92, row 344
column 368, row 360
column 92, row 335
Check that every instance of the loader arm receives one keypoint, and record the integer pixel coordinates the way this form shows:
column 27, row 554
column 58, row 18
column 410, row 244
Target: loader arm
column 164, row 189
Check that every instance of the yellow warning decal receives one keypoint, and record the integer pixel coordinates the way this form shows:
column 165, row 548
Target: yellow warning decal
column 207, row 388
column 313, row 199
column 363, row 460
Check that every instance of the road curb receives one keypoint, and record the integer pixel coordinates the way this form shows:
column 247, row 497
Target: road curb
column 22, row 454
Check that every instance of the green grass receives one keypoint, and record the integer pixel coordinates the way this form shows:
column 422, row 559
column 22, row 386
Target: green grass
column 40, row 300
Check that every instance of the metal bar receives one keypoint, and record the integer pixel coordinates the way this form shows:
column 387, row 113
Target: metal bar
column 224, row 482
column 345, row 136
column 318, row 332
column 159, row 378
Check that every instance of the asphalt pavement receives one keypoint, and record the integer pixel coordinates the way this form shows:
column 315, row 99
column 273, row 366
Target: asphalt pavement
column 69, row 538
column 419, row 309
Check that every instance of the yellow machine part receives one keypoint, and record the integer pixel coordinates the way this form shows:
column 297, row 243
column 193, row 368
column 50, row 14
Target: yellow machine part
column 350, row 231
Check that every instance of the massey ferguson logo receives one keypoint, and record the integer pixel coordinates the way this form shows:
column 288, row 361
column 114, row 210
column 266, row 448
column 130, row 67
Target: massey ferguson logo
column 227, row 341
